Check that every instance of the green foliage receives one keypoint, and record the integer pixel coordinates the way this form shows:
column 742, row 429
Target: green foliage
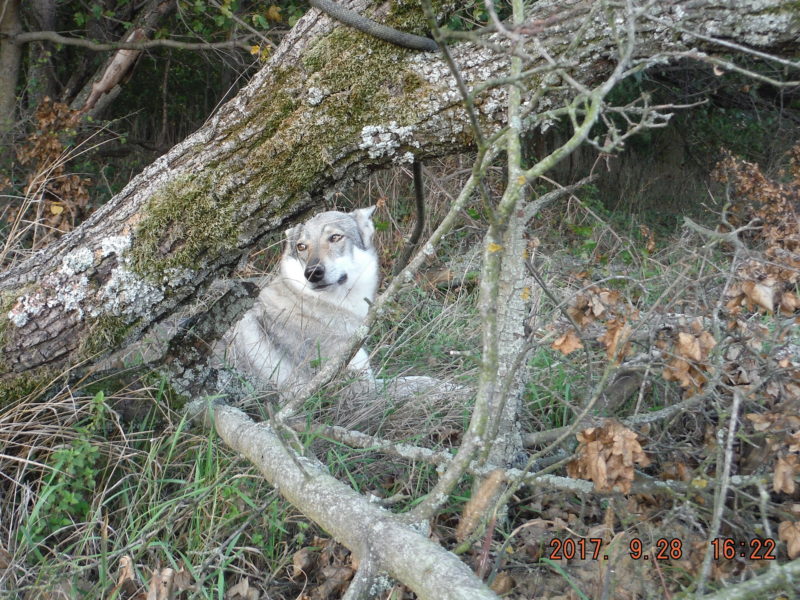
column 550, row 395
column 734, row 129
column 472, row 15
column 67, row 495
column 213, row 20
column 159, row 494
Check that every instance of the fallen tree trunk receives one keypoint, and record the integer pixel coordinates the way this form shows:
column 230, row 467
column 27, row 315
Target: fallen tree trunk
column 372, row 533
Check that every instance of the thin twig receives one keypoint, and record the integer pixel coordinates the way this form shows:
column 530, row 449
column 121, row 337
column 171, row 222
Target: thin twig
column 419, row 225
column 57, row 38
column 721, row 492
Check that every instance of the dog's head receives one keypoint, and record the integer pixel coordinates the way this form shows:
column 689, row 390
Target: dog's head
column 332, row 249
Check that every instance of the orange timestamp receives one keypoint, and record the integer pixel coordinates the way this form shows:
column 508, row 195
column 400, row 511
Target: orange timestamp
column 662, row 549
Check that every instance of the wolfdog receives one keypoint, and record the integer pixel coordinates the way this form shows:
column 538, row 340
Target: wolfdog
column 327, row 279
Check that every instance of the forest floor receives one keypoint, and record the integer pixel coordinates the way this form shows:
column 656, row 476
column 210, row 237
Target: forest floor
column 684, row 334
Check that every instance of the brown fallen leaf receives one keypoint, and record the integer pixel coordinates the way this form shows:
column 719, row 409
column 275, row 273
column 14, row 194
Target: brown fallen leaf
column 503, row 583
column 790, row 302
column 567, row 343
column 336, row 582
column 127, row 584
column 688, row 346
column 616, row 339
column 789, row 532
column 760, row 294
column 783, row 477
column 607, row 455
column 477, row 506
column 304, row 562
column 242, row 591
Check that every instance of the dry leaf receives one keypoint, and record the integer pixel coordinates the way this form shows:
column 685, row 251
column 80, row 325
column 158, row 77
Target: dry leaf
column 789, row 532
column 274, row 14
column 688, row 346
column 127, row 585
column 649, row 238
column 783, row 477
column 616, row 339
column 678, row 370
column 607, row 455
column 304, row 561
column 760, row 422
column 790, row 302
column 335, row 584
column 569, row 342
column 760, row 294
column 483, row 499
column 503, row 583
column 242, row 591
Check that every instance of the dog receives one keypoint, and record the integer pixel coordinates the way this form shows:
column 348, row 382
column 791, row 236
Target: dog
column 327, row 279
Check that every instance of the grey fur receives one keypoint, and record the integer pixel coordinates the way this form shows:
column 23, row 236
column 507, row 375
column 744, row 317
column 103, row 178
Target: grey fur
column 302, row 317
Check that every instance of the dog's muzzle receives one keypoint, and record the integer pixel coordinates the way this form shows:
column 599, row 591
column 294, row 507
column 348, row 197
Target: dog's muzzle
column 314, row 273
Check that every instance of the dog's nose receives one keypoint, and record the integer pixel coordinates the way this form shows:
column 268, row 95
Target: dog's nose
column 315, row 273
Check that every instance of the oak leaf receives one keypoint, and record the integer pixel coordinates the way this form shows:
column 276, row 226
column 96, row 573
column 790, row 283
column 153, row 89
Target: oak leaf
column 760, row 294
column 567, row 343
column 616, row 339
column 785, row 470
column 789, row 532
column 607, row 455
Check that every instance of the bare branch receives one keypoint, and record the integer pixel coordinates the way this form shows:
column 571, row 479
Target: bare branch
column 57, row 38
column 778, row 576
column 351, row 519
column 724, row 462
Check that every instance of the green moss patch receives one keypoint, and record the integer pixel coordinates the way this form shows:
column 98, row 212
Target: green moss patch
column 17, row 386
column 105, row 334
column 185, row 221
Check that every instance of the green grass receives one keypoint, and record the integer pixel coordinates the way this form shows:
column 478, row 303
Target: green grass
column 549, row 396
column 164, row 495
column 430, row 332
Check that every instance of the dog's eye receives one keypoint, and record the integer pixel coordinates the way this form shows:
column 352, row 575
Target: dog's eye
column 335, row 237
column 301, row 247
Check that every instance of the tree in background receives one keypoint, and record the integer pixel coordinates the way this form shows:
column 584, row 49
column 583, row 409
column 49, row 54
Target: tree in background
column 112, row 83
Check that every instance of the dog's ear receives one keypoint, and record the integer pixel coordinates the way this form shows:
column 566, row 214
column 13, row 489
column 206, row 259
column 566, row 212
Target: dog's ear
column 366, row 228
column 291, row 240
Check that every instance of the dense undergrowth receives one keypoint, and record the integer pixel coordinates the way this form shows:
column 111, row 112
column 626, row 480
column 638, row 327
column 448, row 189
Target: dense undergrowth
column 106, row 490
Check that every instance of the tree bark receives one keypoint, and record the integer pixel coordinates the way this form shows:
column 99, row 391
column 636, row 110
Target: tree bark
column 10, row 59
column 40, row 79
column 330, row 105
